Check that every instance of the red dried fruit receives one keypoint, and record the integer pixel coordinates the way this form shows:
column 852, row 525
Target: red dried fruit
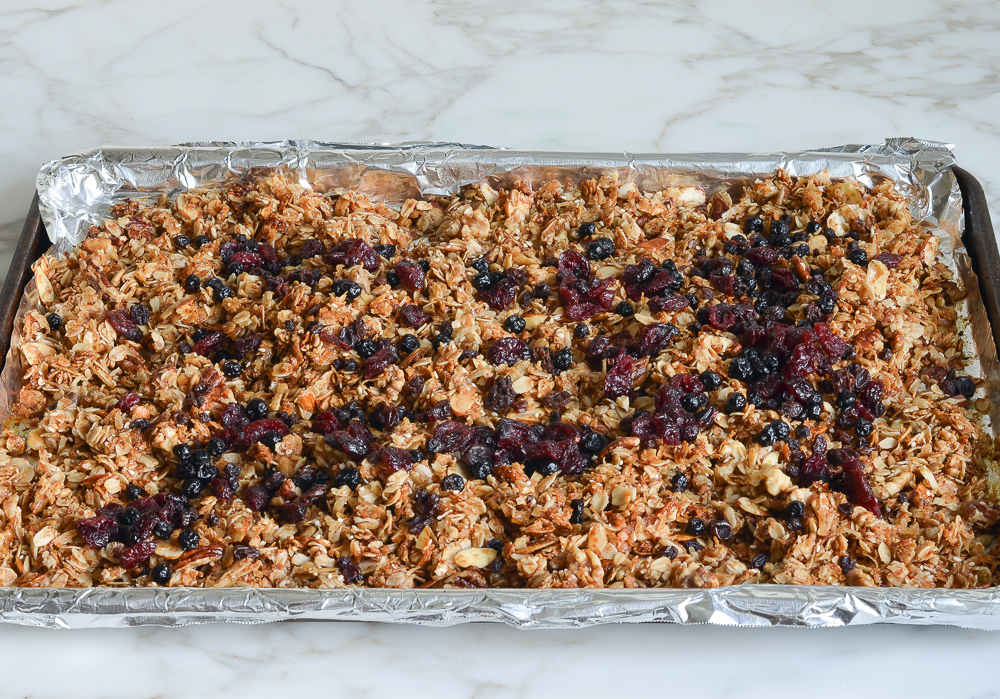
column 440, row 411
column 654, row 338
column 234, row 417
column 248, row 259
column 410, row 274
column 618, row 381
column 396, row 459
column 568, row 296
column 872, row 394
column 293, row 512
column 722, row 316
column 889, row 259
column 669, row 303
column 501, row 395
column 208, row 344
column 573, row 264
column 257, row 498
column 832, row 345
column 602, row 293
column 223, row 488
column 241, row 551
column 379, row 362
column 413, row 316
column 128, row 401
column 644, row 426
column 245, row 345
column 499, row 296
column 582, row 311
column 315, row 493
column 137, row 553
column 857, row 488
column 762, row 257
column 325, row 423
column 267, row 252
column 508, row 350
column 255, row 431
column 449, row 437
column 98, row 531
column 310, row 248
column 124, row 326
column 815, row 468
column 350, row 570
column 353, row 251
column 639, row 273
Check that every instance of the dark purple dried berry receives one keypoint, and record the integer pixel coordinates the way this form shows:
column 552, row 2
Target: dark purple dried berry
column 350, row 570
column 411, row 275
column 124, row 326
column 508, row 350
column 453, row 481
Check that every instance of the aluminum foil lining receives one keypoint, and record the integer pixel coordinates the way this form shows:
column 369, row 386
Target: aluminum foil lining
column 78, row 190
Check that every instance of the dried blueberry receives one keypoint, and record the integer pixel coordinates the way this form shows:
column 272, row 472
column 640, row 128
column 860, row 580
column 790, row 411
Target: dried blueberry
column 453, row 481
column 188, row 539
column 600, row 249
column 581, row 331
column 563, row 359
column 480, row 265
column 624, row 309
column 679, row 483
column 796, row 508
column 349, row 476
column 409, row 343
column 754, row 224
column 577, row 515
column 587, row 229
column 54, row 320
column 846, row 563
column 160, row 574
column 256, row 409
column 696, row 527
column 858, row 256
column 365, row 348
column 514, row 324
column 231, row 368
column 385, row 250
column 710, row 380
column 736, row 403
column 202, row 240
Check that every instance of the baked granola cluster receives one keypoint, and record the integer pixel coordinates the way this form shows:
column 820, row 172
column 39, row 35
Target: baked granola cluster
column 560, row 386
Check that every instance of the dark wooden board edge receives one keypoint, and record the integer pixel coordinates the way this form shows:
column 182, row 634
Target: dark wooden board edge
column 981, row 242
column 32, row 244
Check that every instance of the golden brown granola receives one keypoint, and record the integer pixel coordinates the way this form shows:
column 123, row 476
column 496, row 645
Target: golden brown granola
column 625, row 521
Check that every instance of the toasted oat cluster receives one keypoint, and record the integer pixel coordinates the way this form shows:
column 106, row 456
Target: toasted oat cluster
column 565, row 385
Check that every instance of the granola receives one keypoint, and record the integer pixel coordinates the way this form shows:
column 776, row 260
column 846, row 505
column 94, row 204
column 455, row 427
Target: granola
column 570, row 385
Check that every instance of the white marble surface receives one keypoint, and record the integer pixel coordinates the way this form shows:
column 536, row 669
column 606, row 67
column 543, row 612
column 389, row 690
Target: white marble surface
column 611, row 75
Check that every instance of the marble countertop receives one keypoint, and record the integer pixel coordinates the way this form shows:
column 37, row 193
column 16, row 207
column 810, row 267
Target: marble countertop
column 589, row 75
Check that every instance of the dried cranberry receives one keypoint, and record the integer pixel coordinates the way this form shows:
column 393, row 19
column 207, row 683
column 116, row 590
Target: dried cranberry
column 499, row 296
column 223, row 488
column 257, row 498
column 671, row 302
column 98, row 531
column 573, row 264
column 245, row 345
column 762, row 257
column 857, row 488
column 350, row 570
column 872, row 394
column 127, row 402
column 315, row 493
column 410, row 274
column 654, row 338
column 449, row 437
column 353, row 251
column 832, row 345
column 137, row 553
column 396, row 459
column 124, row 326
column 208, row 344
column 413, row 316
column 508, row 350
column 501, row 395
column 310, row 248
column 255, row 431
column 248, row 259
column 379, row 362
column 294, row 511
column 582, row 311
column 618, row 381
column 815, row 468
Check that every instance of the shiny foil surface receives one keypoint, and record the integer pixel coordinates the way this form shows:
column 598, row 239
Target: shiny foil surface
column 78, row 190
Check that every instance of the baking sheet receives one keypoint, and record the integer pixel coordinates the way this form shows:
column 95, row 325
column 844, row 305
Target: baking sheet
column 78, row 190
